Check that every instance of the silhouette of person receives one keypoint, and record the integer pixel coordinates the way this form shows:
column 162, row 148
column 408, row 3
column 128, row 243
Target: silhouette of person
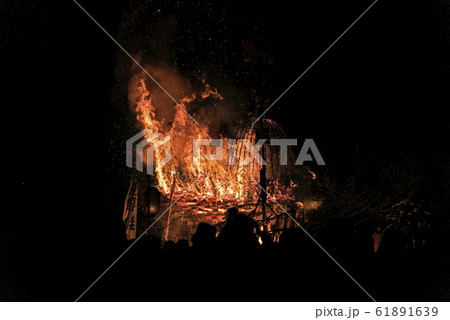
column 238, row 232
column 205, row 236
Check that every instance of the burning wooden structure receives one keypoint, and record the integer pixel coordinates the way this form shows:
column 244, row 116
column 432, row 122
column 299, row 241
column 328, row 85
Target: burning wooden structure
column 201, row 191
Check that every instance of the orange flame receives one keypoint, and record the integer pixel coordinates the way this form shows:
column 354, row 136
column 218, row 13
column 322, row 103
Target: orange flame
column 217, row 180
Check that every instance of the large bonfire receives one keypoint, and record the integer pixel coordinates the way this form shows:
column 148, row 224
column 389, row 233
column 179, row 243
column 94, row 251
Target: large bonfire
column 206, row 186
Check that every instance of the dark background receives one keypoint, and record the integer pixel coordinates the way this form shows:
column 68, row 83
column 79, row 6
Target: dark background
column 381, row 89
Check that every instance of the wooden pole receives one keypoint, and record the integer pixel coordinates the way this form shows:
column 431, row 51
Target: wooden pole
column 263, row 183
column 172, row 188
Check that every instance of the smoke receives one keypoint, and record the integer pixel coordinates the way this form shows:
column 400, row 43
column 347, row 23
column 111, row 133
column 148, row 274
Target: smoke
column 205, row 103
column 167, row 78
column 164, row 44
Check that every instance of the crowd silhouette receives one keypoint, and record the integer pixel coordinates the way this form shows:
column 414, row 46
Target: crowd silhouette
column 242, row 263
